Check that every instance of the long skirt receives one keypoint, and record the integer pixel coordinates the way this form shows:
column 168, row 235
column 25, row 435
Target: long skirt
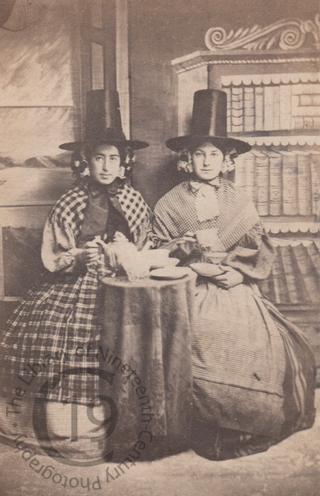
column 53, row 335
column 51, row 365
column 254, row 374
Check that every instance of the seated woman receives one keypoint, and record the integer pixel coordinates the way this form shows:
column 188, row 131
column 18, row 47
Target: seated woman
column 253, row 370
column 57, row 327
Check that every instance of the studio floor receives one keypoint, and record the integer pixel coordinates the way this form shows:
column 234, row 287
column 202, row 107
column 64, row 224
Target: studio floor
column 290, row 468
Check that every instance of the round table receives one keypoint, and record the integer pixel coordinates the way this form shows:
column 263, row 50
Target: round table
column 146, row 342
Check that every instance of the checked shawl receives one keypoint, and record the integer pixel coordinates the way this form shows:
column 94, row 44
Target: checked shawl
column 176, row 214
column 69, row 210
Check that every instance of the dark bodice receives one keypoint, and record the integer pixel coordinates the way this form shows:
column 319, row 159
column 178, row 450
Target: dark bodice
column 103, row 215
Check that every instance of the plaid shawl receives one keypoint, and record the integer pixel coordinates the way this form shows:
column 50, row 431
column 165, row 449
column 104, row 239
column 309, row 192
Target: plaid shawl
column 69, row 210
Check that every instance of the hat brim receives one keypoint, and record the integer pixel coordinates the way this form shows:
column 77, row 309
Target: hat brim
column 222, row 142
column 78, row 145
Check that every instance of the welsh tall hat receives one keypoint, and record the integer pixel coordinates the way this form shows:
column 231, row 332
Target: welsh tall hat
column 209, row 123
column 103, row 123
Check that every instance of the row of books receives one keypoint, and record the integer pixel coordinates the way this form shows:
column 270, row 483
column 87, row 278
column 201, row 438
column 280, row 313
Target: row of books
column 294, row 275
column 281, row 182
column 273, row 107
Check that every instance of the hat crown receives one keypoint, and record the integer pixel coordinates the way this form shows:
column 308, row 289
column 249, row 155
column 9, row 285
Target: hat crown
column 103, row 119
column 103, row 123
column 209, row 113
column 208, row 123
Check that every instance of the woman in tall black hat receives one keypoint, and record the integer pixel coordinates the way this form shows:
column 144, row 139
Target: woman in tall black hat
column 57, row 327
column 253, row 370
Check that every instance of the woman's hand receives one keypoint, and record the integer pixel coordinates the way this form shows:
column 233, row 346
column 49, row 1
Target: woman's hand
column 91, row 252
column 187, row 237
column 230, row 278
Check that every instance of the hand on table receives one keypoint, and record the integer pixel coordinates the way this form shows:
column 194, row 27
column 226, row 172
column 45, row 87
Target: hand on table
column 228, row 279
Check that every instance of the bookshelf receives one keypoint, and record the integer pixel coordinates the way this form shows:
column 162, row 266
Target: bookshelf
column 271, row 75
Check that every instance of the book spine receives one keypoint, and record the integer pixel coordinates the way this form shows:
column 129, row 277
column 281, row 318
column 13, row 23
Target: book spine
column 240, row 172
column 289, row 182
column 306, row 103
column 316, row 123
column 276, row 107
column 308, row 123
column 305, row 109
column 289, row 272
column 259, row 114
column 250, row 168
column 306, row 272
column 315, row 182
column 297, row 122
column 227, row 89
column 262, row 183
column 279, row 286
column 296, row 91
column 285, row 106
column 275, row 181
column 268, row 108
column 248, row 99
column 307, row 100
column 237, row 109
column 314, row 257
column 304, row 184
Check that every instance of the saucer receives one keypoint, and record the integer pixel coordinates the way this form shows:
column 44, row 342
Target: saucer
column 168, row 262
column 170, row 273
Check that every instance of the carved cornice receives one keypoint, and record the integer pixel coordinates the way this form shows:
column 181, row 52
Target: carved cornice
column 273, row 78
column 285, row 34
column 240, row 57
